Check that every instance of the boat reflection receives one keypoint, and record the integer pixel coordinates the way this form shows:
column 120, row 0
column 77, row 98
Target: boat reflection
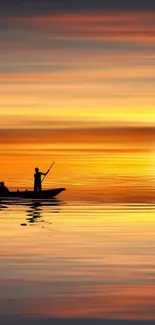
column 34, row 210
column 3, row 205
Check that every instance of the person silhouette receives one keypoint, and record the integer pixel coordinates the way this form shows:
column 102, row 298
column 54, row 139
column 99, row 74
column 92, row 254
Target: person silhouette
column 3, row 189
column 37, row 180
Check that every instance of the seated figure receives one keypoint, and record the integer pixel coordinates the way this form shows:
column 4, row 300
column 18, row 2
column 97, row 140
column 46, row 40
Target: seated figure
column 3, row 189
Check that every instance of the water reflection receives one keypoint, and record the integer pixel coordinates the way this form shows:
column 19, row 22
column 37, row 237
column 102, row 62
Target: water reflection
column 3, row 205
column 92, row 260
column 34, row 210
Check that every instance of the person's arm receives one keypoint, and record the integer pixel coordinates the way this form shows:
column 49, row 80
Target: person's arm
column 44, row 173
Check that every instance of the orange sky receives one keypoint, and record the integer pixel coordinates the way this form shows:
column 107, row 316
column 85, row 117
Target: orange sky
column 77, row 80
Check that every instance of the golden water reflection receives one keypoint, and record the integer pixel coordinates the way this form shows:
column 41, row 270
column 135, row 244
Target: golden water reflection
column 73, row 259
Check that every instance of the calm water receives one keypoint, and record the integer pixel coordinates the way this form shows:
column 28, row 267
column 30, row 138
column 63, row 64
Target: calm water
column 77, row 259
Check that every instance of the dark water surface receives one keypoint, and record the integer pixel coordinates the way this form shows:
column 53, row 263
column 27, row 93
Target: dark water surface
column 76, row 260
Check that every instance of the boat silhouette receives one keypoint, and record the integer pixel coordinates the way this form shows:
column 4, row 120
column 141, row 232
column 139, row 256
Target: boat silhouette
column 44, row 194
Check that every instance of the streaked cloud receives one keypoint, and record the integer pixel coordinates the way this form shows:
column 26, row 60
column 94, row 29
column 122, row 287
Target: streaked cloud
column 81, row 67
column 123, row 26
column 132, row 136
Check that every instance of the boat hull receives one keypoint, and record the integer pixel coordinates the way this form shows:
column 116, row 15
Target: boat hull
column 44, row 194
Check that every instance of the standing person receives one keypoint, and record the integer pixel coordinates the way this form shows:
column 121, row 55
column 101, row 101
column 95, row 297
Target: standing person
column 37, row 180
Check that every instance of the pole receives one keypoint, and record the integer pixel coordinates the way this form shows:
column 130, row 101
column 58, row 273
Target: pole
column 48, row 171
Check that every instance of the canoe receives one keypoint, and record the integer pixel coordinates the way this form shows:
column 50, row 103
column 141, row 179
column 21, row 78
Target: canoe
column 44, row 194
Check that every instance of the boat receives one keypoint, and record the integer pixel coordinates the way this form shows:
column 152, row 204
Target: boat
column 44, row 194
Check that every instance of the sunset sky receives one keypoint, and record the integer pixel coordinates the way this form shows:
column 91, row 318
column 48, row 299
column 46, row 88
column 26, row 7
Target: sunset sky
column 77, row 88
column 70, row 70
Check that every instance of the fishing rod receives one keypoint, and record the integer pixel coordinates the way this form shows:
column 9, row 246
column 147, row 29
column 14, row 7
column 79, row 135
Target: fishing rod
column 48, row 171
